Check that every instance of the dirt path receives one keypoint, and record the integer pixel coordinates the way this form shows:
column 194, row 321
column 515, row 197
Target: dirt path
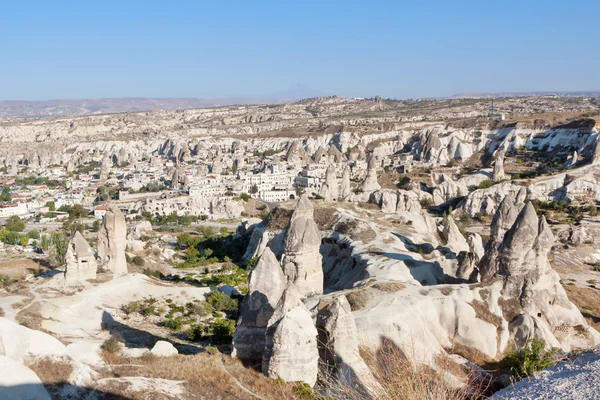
column 238, row 383
column 6, row 305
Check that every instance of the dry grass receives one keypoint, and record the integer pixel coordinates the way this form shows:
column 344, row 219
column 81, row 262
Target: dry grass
column 389, row 287
column 358, row 298
column 325, row 217
column 50, row 371
column 19, row 269
column 471, row 354
column 31, row 317
column 588, row 301
column 205, row 375
column 401, row 379
column 482, row 311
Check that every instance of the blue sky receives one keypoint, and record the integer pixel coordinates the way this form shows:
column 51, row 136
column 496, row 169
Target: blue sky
column 76, row 49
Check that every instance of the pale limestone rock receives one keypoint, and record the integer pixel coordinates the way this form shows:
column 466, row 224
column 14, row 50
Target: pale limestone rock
column 112, row 241
column 596, row 156
column 329, row 189
column 487, row 200
column 498, row 174
column 301, row 260
column 19, row 382
column 370, row 183
column 265, row 287
column 291, row 341
column 163, row 348
column 345, row 188
column 475, row 246
column 80, row 261
column 339, row 343
column 503, row 220
column 452, row 236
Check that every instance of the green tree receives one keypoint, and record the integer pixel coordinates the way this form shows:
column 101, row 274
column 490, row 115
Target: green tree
column 254, row 189
column 96, row 226
column 12, row 238
column 3, row 235
column 5, row 196
column 33, row 234
column 14, row 224
column 45, row 243
column 24, row 241
column 61, row 244
column 51, row 206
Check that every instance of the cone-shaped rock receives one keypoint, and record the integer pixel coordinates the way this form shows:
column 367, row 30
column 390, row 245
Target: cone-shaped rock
column 266, row 285
column 112, row 240
column 291, row 342
column 302, row 261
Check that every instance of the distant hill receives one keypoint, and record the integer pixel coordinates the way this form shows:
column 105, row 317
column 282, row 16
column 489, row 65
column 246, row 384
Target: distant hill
column 78, row 107
column 475, row 95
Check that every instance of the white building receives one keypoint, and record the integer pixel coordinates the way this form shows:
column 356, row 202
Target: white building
column 10, row 209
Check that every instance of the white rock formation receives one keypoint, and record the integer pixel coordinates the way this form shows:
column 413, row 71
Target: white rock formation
column 498, row 174
column 329, row 190
column 339, row 343
column 453, row 238
column 112, row 241
column 370, row 183
column 291, row 341
column 17, row 382
column 301, row 260
column 80, row 261
column 345, row 188
column 265, row 287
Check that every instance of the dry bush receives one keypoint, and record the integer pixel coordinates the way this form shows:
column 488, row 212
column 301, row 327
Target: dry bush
column 51, row 371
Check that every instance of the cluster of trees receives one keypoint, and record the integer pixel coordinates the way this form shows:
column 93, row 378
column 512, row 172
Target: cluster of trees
column 172, row 219
column 207, row 247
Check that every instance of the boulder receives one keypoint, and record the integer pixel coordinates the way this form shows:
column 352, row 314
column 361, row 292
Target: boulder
column 163, row 349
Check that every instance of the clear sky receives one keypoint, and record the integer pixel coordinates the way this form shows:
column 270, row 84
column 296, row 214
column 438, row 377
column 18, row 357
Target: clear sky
column 207, row 49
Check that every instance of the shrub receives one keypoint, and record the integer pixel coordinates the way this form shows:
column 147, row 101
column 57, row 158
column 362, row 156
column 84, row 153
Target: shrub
column 14, row 224
column 33, row 234
column 426, row 202
column 112, row 345
column 137, row 260
column 532, row 357
column 222, row 331
column 221, row 302
column 174, row 324
column 485, row 184
column 245, row 196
